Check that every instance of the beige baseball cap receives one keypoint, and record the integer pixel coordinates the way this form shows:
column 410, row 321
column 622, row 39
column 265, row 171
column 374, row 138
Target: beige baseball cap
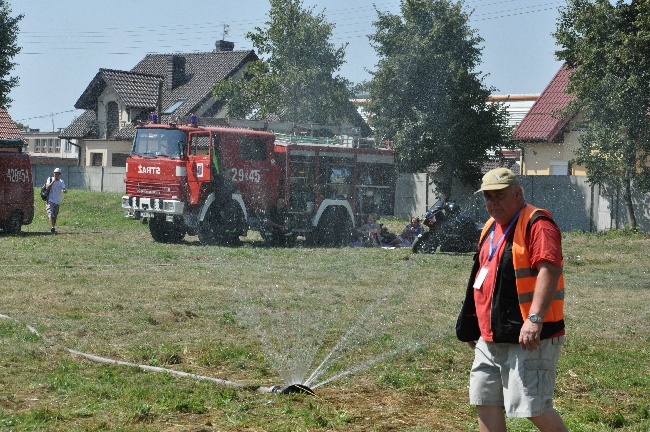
column 498, row 178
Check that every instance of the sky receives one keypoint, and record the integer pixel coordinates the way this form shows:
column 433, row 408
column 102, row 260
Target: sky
column 65, row 43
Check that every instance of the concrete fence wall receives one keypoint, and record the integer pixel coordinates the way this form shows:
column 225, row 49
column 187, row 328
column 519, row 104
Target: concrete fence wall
column 575, row 204
column 102, row 179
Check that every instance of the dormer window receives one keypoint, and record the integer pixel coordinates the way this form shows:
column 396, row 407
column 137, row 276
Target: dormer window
column 174, row 107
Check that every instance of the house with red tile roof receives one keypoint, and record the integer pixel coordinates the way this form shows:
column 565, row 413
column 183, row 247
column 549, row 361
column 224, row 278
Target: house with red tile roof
column 8, row 129
column 43, row 147
column 547, row 137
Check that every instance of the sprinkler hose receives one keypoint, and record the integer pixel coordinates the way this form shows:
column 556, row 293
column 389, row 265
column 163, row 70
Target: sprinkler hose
column 294, row 388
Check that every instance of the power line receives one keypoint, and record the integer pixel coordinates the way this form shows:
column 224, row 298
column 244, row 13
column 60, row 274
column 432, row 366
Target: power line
column 239, row 29
column 151, row 39
column 45, row 116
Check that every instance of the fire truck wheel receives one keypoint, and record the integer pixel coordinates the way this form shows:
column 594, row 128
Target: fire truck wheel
column 15, row 223
column 211, row 229
column 165, row 232
column 334, row 228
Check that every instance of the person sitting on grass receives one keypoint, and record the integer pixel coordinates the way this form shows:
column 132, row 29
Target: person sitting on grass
column 409, row 233
column 369, row 234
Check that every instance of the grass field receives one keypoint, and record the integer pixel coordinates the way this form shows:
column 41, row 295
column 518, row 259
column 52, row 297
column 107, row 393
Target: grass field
column 254, row 316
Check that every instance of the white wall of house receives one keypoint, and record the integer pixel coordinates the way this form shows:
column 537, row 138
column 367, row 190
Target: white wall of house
column 100, row 152
column 108, row 96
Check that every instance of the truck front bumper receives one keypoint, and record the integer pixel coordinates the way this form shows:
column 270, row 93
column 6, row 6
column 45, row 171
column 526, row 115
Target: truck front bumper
column 137, row 207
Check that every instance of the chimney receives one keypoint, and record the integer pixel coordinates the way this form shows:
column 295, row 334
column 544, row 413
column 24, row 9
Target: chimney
column 222, row 45
column 175, row 71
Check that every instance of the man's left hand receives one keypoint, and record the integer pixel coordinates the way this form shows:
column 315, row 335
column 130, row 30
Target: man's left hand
column 529, row 337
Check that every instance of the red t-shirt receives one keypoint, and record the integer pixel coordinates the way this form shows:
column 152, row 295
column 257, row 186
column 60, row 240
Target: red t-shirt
column 544, row 244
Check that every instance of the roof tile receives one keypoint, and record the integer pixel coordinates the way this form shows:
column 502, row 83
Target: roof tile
column 8, row 128
column 203, row 71
column 542, row 124
column 84, row 126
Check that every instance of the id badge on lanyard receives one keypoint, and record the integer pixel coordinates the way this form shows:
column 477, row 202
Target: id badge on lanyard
column 482, row 274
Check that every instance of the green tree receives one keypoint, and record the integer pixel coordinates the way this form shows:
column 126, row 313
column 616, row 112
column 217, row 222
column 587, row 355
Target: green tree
column 294, row 80
column 427, row 96
column 607, row 47
column 8, row 50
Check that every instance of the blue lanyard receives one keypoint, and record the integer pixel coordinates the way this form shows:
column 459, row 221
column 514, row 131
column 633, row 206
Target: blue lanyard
column 493, row 249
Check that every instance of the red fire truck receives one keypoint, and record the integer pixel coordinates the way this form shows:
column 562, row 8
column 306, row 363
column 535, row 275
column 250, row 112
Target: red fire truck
column 219, row 182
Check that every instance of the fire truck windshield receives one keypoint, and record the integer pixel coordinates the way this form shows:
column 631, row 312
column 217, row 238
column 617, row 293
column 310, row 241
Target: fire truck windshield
column 159, row 143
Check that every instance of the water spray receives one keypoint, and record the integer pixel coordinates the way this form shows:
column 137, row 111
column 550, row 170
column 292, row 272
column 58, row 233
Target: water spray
column 295, row 378
column 291, row 389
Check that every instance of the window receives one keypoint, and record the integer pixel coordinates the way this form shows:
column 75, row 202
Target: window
column 252, row 149
column 375, row 178
column 159, row 142
column 96, row 159
column 119, row 159
column 200, row 144
column 112, row 119
column 335, row 175
column 37, row 145
column 559, row 168
column 57, row 146
column 174, row 106
column 50, row 145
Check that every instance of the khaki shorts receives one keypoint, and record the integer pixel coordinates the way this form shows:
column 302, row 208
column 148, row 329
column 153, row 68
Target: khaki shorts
column 521, row 381
column 52, row 209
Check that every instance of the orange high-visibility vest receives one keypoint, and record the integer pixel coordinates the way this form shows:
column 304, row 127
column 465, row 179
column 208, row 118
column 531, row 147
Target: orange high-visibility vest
column 525, row 274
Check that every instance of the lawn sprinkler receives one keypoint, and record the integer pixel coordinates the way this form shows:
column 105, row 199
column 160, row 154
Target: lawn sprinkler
column 293, row 389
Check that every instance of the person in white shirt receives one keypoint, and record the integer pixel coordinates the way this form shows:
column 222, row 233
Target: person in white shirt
column 56, row 186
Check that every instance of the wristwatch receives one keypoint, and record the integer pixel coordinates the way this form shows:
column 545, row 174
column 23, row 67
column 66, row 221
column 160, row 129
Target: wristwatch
column 535, row 319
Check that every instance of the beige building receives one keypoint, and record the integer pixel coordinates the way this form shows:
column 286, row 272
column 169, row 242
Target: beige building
column 41, row 145
column 548, row 138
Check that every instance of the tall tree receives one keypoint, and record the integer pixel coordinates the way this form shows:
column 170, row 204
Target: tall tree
column 607, row 47
column 8, row 50
column 427, row 96
column 295, row 80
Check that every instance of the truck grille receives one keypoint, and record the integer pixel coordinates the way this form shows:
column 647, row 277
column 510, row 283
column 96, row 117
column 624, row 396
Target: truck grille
column 153, row 190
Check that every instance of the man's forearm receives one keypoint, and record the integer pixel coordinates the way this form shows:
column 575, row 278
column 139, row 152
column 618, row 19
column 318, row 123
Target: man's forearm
column 545, row 288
